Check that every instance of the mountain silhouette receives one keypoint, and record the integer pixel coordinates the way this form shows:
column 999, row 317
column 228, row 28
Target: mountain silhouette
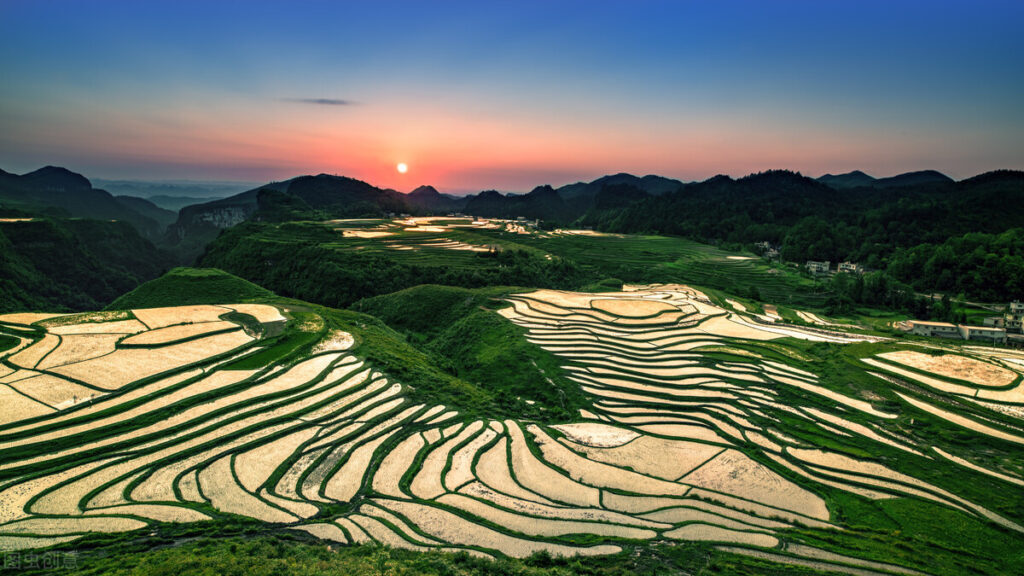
column 913, row 179
column 651, row 184
column 59, row 191
column 853, row 179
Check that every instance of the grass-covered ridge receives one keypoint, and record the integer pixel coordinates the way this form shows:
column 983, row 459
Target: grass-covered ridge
column 459, row 328
column 181, row 286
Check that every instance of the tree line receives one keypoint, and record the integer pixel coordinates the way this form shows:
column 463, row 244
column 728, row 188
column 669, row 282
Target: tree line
column 958, row 237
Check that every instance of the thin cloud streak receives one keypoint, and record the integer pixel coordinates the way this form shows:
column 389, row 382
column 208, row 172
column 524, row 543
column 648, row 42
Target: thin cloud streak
column 321, row 101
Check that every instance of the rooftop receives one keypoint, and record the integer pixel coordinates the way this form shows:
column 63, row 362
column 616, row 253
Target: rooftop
column 982, row 329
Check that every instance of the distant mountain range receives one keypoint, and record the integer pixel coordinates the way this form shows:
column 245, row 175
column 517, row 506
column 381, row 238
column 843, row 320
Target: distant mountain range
column 339, row 197
column 327, row 196
column 174, row 194
column 176, row 203
column 61, row 192
column 903, row 224
column 602, row 202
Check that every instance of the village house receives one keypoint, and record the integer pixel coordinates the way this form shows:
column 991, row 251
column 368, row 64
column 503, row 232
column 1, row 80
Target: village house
column 851, row 267
column 1014, row 316
column 934, row 329
column 815, row 267
column 993, row 334
column 994, row 321
column 988, row 333
column 1010, row 320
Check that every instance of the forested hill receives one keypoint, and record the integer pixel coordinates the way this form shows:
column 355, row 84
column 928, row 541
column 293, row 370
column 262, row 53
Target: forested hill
column 328, row 196
column 305, row 197
column 939, row 235
column 59, row 265
column 562, row 206
column 813, row 221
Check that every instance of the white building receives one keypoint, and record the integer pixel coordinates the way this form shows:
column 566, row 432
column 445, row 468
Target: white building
column 988, row 333
column 935, row 329
column 815, row 267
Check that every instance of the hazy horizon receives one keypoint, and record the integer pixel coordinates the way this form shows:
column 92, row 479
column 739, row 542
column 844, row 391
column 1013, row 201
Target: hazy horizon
column 99, row 182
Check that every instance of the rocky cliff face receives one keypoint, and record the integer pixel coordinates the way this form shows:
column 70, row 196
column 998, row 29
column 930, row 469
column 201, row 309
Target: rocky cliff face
column 225, row 217
column 199, row 224
column 223, row 213
column 218, row 218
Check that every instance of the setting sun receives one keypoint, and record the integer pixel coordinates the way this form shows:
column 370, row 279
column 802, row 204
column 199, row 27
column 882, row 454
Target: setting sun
column 402, row 168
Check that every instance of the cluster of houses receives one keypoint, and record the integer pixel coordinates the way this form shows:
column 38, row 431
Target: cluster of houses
column 535, row 223
column 821, row 268
column 1011, row 320
column 996, row 329
column 814, row 267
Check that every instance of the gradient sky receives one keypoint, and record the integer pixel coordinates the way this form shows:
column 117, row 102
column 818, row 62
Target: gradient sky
column 509, row 95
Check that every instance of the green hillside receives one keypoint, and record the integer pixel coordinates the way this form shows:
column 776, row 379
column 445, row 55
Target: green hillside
column 468, row 340
column 318, row 261
column 313, row 261
column 59, row 265
column 182, row 286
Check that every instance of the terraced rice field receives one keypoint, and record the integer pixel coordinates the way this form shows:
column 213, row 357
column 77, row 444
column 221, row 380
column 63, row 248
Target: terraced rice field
column 454, row 242
column 978, row 374
column 677, row 444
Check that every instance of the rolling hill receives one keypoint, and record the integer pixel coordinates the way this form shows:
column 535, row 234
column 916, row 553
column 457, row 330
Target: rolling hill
column 331, row 196
column 922, row 177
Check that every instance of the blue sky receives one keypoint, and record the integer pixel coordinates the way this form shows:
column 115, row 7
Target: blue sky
column 509, row 95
